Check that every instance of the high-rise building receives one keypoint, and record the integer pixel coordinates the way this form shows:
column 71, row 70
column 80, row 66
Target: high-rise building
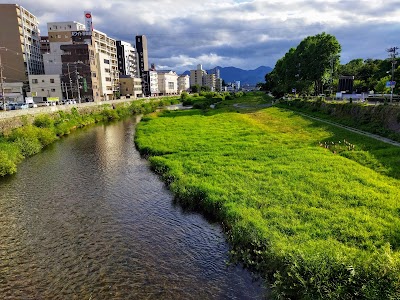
column 59, row 33
column 106, row 51
column 20, row 36
column 143, row 62
column 127, row 59
column 91, row 51
column 44, row 44
column 210, row 81
column 196, row 76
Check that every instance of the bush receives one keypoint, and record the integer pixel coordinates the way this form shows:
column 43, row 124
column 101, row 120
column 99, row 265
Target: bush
column 43, row 121
column 184, row 96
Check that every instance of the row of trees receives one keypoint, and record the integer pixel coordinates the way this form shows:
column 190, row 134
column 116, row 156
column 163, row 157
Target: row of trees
column 313, row 68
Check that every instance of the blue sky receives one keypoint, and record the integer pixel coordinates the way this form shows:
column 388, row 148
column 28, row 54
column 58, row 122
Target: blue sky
column 244, row 34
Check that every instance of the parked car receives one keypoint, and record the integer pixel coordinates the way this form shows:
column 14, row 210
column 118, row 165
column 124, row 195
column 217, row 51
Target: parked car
column 20, row 106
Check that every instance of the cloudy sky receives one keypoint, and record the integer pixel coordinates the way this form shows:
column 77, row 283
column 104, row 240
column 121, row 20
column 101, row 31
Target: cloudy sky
column 240, row 33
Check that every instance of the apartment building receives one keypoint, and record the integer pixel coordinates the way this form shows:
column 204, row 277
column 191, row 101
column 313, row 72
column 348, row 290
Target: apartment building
column 59, row 33
column 196, row 76
column 20, row 36
column 80, row 72
column 44, row 44
column 48, row 86
column 153, row 83
column 127, row 59
column 130, row 86
column 167, row 82
column 91, row 53
column 183, row 83
column 210, row 81
column 106, row 54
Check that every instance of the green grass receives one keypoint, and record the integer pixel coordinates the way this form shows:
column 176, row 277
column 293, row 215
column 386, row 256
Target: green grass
column 319, row 224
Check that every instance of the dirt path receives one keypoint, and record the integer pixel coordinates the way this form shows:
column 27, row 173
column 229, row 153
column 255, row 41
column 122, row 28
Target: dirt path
column 371, row 135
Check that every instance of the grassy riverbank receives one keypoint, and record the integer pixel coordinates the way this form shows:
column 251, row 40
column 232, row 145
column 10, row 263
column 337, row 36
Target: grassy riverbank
column 383, row 120
column 30, row 139
column 312, row 207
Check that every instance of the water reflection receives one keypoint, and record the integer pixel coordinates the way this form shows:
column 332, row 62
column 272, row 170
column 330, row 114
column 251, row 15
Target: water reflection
column 86, row 219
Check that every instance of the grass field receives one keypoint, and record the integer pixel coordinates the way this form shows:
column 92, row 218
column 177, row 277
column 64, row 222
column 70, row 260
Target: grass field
column 312, row 207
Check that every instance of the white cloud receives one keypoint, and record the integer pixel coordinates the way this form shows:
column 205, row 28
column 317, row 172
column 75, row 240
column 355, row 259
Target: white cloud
column 241, row 33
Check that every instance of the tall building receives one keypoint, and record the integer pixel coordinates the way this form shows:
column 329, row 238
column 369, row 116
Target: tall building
column 143, row 62
column 44, row 44
column 91, row 51
column 20, row 36
column 127, row 59
column 59, row 33
column 215, row 71
column 210, row 81
column 196, row 76
column 106, row 51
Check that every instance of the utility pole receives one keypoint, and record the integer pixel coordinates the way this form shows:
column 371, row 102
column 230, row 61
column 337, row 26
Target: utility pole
column 70, row 81
column 77, row 83
column 1, row 81
column 392, row 54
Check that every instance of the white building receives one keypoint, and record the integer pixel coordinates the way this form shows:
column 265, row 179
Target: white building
column 48, row 86
column 106, row 50
column 183, row 83
column 127, row 59
column 167, row 82
column 153, row 78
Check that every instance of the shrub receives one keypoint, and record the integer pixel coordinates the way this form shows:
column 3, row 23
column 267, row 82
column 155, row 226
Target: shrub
column 184, row 96
column 43, row 121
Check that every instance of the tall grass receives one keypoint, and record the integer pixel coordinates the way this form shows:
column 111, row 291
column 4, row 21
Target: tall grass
column 30, row 139
column 317, row 224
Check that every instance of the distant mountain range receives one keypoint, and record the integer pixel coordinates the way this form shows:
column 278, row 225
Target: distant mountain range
column 232, row 74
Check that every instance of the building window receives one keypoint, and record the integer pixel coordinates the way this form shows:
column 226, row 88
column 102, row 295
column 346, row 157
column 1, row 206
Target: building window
column 107, row 70
column 34, row 81
column 108, row 79
column 53, row 90
column 51, row 80
column 171, row 85
column 42, row 90
column 106, row 61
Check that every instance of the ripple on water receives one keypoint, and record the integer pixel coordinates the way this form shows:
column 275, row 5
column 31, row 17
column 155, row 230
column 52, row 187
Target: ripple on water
column 86, row 219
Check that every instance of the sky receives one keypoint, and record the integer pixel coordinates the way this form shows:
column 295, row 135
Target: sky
column 239, row 33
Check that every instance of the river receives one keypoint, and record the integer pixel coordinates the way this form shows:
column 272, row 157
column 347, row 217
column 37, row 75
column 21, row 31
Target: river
column 87, row 219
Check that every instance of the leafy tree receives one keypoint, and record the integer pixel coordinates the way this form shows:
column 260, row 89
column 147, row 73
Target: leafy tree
column 307, row 67
column 381, row 85
column 195, row 88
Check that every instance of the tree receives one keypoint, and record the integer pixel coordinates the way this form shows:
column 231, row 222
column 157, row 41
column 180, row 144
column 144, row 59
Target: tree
column 195, row 88
column 307, row 67
column 380, row 87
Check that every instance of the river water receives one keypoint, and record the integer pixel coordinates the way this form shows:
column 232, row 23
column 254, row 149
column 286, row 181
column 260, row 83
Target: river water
column 87, row 219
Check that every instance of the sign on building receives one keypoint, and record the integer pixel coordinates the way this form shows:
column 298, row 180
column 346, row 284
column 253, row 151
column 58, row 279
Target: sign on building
column 88, row 21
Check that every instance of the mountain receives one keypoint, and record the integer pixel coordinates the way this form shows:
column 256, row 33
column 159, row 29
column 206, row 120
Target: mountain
column 232, row 74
